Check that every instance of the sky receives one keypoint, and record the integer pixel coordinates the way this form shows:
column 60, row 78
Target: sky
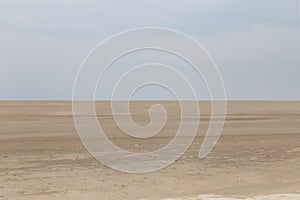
column 255, row 43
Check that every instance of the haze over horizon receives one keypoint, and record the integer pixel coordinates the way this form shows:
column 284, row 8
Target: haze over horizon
column 254, row 43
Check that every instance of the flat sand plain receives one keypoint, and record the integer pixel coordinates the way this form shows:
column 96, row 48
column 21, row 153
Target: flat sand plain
column 41, row 156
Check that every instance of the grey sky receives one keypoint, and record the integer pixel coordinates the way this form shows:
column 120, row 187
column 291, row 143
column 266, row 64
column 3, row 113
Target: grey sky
column 255, row 43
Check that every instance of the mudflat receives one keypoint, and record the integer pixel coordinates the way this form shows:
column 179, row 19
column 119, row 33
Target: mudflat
column 42, row 157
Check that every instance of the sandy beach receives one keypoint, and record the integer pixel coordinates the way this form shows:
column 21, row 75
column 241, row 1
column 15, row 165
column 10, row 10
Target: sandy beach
column 257, row 156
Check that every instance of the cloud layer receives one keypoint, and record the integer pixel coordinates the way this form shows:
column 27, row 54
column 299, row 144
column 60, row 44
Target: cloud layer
column 255, row 43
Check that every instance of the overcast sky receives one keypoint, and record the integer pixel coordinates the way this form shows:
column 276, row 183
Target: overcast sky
column 255, row 43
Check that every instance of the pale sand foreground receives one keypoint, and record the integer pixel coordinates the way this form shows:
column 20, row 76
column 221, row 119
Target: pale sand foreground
column 260, row 197
column 257, row 157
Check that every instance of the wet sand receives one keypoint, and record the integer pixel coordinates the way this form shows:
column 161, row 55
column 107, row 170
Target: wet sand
column 41, row 156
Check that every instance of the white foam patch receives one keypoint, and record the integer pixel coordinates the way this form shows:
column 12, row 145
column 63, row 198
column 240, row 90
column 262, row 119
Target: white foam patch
column 260, row 197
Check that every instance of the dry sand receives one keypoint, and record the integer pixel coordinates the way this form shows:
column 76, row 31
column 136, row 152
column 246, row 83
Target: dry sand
column 258, row 154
